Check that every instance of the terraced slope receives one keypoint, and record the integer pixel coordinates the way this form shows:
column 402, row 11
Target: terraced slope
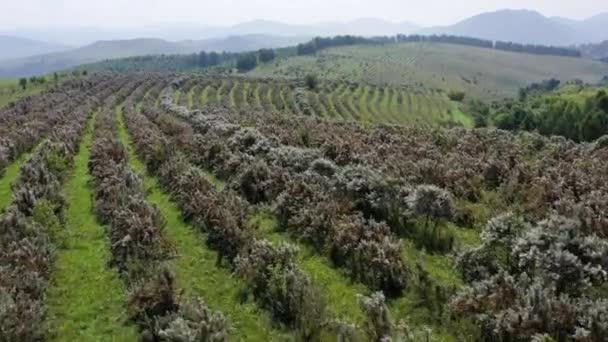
column 401, row 105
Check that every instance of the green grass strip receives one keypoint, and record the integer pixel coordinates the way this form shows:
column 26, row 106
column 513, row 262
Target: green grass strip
column 9, row 176
column 197, row 273
column 231, row 96
column 176, row 96
column 191, row 97
column 86, row 299
column 204, row 96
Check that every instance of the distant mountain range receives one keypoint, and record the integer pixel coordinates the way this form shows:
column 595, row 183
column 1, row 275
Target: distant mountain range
column 16, row 47
column 528, row 27
column 359, row 27
column 85, row 36
column 32, row 55
column 102, row 50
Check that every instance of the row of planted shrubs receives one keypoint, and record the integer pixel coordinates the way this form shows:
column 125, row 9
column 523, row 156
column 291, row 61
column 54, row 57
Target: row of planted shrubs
column 24, row 123
column 281, row 98
column 198, row 148
column 535, row 276
column 30, row 225
column 271, row 272
column 139, row 245
column 347, row 223
column 335, row 208
column 487, row 170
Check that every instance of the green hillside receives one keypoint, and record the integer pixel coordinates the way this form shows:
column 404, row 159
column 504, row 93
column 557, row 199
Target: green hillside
column 335, row 100
column 483, row 73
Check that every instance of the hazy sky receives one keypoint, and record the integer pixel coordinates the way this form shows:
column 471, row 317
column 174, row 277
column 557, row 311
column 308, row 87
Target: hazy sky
column 137, row 13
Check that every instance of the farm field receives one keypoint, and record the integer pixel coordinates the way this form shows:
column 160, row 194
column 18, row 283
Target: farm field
column 482, row 73
column 10, row 90
column 185, row 208
column 342, row 101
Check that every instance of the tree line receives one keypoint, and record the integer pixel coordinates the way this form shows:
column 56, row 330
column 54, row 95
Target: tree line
column 224, row 61
column 540, row 109
column 245, row 61
column 317, row 44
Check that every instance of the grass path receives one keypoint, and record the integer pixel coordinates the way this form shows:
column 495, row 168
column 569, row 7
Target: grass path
column 191, row 93
column 204, row 99
column 7, row 178
column 86, row 299
column 347, row 99
column 368, row 99
column 220, row 92
column 195, row 265
column 245, row 91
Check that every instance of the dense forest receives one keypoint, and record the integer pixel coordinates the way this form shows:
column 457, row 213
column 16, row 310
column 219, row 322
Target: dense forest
column 579, row 113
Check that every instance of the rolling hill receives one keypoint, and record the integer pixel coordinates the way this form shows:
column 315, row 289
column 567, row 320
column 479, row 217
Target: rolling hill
column 113, row 49
column 17, row 47
column 592, row 29
column 101, row 50
column 483, row 73
column 243, row 43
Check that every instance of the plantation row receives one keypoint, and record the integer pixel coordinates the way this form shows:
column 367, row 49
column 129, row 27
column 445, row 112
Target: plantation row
column 335, row 100
column 271, row 272
column 31, row 224
column 139, row 245
column 233, row 223
column 543, row 254
column 355, row 226
column 23, row 124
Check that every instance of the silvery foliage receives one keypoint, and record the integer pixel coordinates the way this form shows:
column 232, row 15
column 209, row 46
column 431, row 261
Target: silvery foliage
column 293, row 158
column 324, row 167
column 194, row 322
column 535, row 280
column 378, row 326
column 557, row 249
column 251, row 141
column 431, row 201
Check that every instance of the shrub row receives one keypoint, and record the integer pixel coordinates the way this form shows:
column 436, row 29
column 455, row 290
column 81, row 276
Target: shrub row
column 271, row 272
column 29, row 226
column 139, row 246
column 23, row 126
column 263, row 171
column 498, row 170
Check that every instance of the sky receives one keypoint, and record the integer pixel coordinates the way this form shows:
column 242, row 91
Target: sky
column 137, row 13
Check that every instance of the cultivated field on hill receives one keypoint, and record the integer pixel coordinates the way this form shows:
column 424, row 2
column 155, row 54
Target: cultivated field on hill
column 483, row 73
column 334, row 100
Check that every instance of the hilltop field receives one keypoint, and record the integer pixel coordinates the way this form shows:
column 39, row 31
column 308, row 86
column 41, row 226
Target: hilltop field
column 488, row 74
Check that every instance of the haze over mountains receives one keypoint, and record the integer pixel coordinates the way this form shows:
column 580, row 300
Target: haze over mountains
column 110, row 49
column 16, row 47
column 33, row 55
column 529, row 27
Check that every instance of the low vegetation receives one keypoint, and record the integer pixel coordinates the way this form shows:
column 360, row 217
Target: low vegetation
column 335, row 191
